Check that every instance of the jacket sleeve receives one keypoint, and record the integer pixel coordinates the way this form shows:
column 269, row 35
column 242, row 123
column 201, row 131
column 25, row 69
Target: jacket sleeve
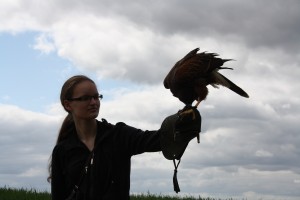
column 58, row 186
column 138, row 141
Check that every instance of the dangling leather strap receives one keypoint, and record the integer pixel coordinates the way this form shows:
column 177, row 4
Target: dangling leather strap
column 175, row 181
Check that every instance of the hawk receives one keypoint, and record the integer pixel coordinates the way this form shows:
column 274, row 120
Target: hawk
column 189, row 77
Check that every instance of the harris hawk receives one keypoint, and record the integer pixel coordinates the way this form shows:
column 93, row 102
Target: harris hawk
column 189, row 77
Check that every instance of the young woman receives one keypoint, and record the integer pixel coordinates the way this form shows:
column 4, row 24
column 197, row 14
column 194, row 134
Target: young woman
column 92, row 157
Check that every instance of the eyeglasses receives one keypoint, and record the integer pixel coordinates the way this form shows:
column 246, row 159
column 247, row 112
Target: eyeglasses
column 96, row 97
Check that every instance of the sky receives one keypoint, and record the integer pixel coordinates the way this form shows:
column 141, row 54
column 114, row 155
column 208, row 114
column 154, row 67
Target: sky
column 249, row 148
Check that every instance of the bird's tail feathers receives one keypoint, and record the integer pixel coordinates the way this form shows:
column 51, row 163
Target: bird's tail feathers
column 226, row 68
column 226, row 60
column 222, row 80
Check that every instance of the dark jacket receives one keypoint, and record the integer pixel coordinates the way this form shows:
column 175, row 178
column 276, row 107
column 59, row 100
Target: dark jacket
column 109, row 176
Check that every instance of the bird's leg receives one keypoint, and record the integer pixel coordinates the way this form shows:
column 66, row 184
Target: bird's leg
column 198, row 102
column 191, row 110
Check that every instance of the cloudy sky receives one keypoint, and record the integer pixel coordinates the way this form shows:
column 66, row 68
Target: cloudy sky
column 249, row 147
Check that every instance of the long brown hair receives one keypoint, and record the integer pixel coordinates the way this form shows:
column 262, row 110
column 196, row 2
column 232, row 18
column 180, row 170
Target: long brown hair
column 68, row 125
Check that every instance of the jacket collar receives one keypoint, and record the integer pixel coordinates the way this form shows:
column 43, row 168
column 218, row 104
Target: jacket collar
column 103, row 127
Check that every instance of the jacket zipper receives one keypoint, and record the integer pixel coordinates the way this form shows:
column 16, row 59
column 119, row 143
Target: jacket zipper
column 91, row 175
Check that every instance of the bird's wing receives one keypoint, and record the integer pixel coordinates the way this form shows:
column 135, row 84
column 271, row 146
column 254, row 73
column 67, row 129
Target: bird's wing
column 172, row 76
column 187, row 56
column 196, row 66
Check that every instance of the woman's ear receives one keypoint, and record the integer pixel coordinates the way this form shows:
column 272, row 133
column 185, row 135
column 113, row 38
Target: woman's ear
column 67, row 105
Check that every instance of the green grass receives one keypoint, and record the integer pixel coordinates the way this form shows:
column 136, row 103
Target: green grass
column 164, row 197
column 25, row 194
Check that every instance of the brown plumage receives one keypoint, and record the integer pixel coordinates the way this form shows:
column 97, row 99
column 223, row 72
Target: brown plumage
column 189, row 77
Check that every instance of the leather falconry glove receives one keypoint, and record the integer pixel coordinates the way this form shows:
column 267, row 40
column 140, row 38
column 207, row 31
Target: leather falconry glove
column 177, row 131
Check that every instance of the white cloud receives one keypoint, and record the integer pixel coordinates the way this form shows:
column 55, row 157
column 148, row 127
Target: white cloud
column 44, row 44
column 26, row 139
column 33, row 172
column 263, row 153
column 145, row 107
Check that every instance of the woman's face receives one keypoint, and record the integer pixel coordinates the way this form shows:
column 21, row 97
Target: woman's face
column 85, row 102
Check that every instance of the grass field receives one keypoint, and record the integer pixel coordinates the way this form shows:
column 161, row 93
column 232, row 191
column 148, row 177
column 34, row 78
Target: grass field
column 23, row 194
